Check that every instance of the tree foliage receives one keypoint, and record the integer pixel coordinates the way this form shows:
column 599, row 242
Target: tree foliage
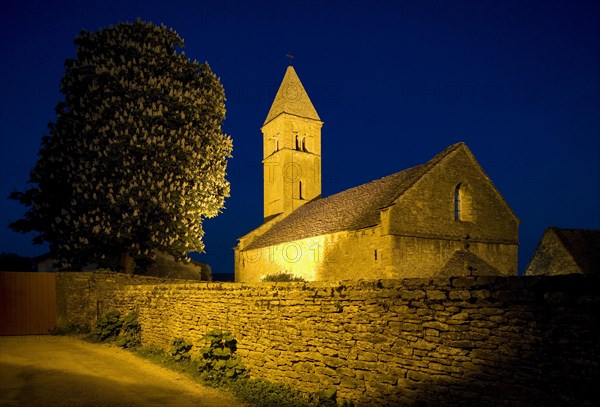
column 136, row 158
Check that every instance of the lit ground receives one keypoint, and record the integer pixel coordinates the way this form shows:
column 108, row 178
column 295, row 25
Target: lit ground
column 67, row 372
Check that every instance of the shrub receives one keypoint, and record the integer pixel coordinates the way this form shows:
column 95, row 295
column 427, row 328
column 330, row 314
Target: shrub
column 218, row 362
column 262, row 393
column 281, row 277
column 180, row 350
column 70, row 329
column 108, row 327
column 131, row 332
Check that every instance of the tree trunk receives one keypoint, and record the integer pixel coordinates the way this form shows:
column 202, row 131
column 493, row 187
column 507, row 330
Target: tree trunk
column 127, row 264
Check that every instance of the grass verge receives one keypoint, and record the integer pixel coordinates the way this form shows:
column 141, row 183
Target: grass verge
column 258, row 392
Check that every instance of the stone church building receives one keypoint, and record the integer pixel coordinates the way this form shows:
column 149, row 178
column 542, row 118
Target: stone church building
column 441, row 218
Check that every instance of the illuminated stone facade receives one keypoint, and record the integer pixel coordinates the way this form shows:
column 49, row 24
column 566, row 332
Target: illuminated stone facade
column 442, row 216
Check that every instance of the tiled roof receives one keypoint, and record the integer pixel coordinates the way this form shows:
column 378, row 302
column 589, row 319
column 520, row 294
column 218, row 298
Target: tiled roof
column 352, row 209
column 584, row 247
column 466, row 263
column 292, row 98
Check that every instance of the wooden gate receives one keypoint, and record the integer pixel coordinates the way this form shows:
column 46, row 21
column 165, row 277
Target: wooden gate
column 27, row 303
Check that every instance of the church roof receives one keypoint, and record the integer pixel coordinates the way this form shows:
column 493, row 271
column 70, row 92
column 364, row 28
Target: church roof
column 584, row 246
column 352, row 209
column 466, row 263
column 291, row 98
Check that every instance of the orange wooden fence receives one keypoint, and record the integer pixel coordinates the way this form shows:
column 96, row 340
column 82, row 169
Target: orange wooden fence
column 27, row 303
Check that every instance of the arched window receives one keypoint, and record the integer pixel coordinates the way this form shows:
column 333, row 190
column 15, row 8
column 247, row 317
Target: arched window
column 300, row 190
column 303, row 144
column 297, row 143
column 457, row 202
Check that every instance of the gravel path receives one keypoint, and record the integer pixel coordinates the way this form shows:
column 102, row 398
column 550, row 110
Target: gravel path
column 68, row 372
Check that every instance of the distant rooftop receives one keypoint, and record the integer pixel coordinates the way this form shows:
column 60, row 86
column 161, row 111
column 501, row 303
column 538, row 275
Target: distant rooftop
column 584, row 247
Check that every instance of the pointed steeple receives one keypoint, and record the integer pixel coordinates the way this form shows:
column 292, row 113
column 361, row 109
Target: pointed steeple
column 291, row 98
column 291, row 149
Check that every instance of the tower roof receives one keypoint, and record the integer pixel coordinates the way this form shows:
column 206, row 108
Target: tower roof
column 291, row 98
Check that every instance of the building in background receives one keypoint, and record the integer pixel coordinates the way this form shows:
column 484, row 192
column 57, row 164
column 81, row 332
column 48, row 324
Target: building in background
column 566, row 251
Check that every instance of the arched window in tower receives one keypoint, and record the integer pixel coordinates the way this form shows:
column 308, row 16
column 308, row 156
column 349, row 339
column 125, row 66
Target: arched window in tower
column 297, row 143
column 300, row 190
column 457, row 202
column 276, row 145
column 304, row 144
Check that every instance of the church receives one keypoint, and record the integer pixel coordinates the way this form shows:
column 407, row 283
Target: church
column 442, row 218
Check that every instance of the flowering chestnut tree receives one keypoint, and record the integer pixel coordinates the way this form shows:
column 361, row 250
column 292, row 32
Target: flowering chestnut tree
column 136, row 158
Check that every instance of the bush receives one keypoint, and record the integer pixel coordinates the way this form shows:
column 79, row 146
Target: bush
column 218, row 362
column 131, row 332
column 108, row 327
column 281, row 277
column 180, row 350
column 263, row 393
column 70, row 329
column 127, row 331
column 219, row 366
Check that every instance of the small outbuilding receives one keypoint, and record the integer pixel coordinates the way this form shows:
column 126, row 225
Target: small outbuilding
column 566, row 251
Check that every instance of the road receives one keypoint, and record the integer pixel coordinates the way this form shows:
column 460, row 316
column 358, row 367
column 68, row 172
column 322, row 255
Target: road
column 62, row 371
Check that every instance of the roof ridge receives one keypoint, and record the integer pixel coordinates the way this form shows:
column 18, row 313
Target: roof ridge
column 578, row 244
column 437, row 157
column 429, row 165
column 351, row 209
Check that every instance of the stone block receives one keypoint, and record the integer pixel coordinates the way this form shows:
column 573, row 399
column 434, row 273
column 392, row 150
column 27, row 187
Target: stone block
column 462, row 282
column 351, row 383
column 462, row 295
column 327, row 371
column 333, row 362
column 424, row 345
column 481, row 294
column 438, row 326
column 367, row 356
column 402, row 350
column 412, row 294
column 436, row 295
column 380, row 389
column 345, row 372
column 303, row 367
column 418, row 376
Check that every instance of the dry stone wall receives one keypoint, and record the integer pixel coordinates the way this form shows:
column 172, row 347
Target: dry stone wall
column 80, row 296
column 461, row 341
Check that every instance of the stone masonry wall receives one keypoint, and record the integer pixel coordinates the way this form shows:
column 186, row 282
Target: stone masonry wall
column 80, row 296
column 462, row 341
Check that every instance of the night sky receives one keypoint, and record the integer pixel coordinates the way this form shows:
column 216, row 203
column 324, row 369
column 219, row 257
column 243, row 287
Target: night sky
column 395, row 82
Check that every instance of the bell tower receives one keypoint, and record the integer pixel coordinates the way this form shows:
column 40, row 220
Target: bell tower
column 291, row 149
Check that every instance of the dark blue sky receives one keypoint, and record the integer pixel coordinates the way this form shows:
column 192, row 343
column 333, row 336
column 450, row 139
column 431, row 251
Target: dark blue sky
column 394, row 82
